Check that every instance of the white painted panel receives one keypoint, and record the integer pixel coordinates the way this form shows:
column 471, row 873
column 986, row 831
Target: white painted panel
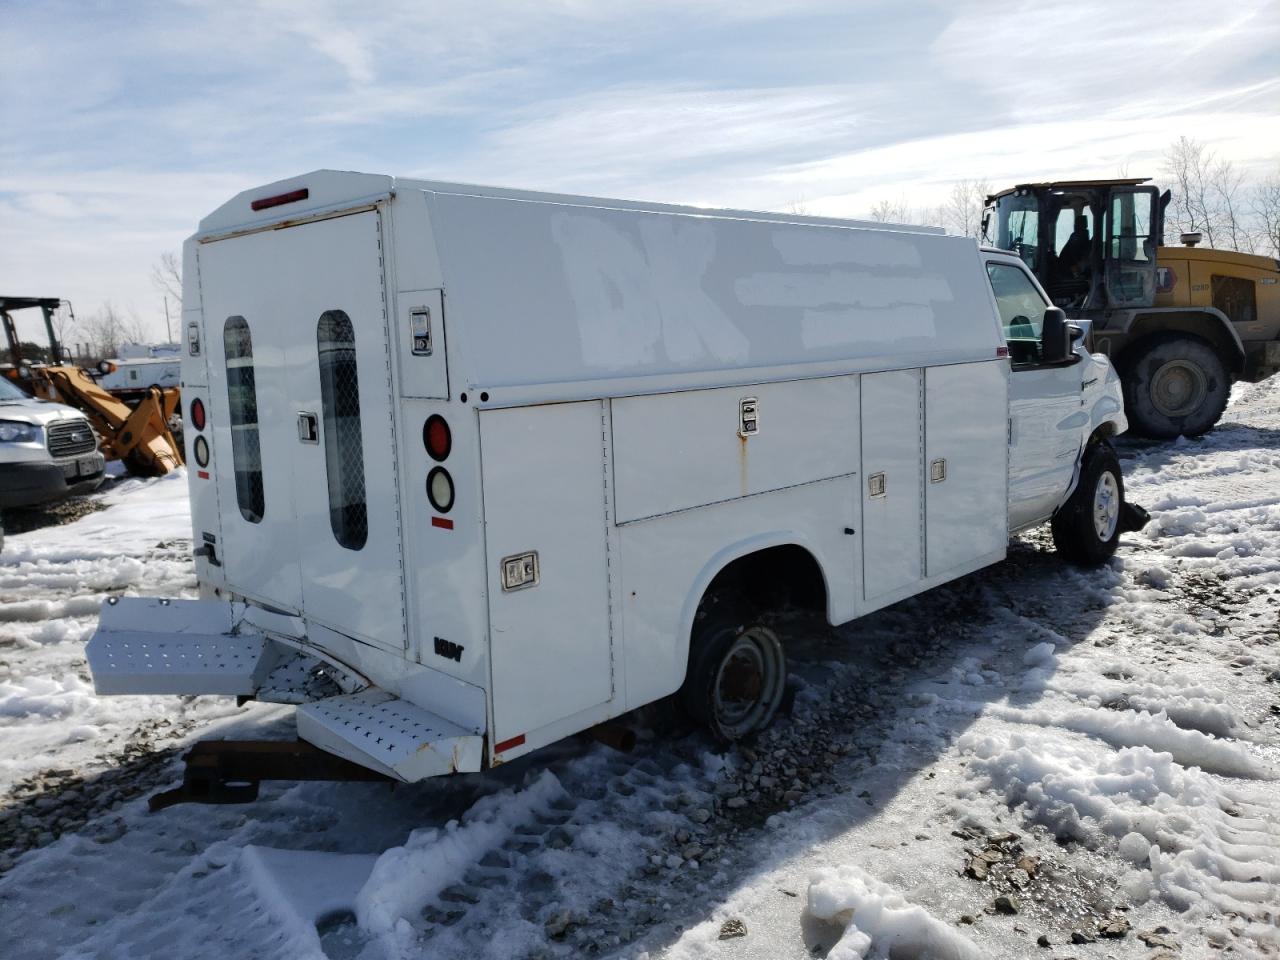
column 679, row 450
column 544, row 491
column 892, row 447
column 554, row 292
column 966, row 513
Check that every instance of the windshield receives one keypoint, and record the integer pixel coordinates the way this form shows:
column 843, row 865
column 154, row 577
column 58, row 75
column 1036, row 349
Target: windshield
column 9, row 391
column 1014, row 224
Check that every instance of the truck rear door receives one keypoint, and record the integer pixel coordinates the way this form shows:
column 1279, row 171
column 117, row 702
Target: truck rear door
column 300, row 401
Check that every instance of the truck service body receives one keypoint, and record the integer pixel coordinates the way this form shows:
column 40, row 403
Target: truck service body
column 465, row 461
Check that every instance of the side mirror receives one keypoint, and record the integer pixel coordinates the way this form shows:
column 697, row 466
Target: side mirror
column 1055, row 336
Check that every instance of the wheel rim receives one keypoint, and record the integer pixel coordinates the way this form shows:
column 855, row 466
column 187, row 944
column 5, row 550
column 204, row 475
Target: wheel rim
column 1106, row 506
column 1179, row 388
column 749, row 682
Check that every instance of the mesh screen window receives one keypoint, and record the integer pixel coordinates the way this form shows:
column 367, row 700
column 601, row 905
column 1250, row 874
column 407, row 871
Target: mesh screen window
column 242, row 403
column 343, row 446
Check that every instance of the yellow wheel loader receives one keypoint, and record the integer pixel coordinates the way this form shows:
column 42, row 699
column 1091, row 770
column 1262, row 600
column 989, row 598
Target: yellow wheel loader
column 137, row 434
column 1179, row 323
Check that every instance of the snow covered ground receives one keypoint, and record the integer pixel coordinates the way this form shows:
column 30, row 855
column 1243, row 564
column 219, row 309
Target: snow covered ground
column 1034, row 753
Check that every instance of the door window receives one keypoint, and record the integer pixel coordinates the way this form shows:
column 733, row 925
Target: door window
column 343, row 446
column 1021, row 310
column 1131, row 266
column 242, row 404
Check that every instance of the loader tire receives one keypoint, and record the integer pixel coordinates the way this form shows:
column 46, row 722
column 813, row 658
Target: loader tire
column 736, row 679
column 1086, row 529
column 1174, row 384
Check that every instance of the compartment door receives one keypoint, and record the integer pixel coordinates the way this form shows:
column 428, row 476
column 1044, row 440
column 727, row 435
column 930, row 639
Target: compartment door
column 550, row 645
column 966, row 465
column 892, row 511
column 300, row 403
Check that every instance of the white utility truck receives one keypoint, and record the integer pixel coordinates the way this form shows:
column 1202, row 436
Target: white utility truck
column 475, row 469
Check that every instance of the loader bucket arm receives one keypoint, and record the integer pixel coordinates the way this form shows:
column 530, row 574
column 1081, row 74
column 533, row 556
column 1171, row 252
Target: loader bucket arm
column 139, row 436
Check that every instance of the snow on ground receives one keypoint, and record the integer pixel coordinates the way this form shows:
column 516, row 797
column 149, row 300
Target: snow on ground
column 1033, row 752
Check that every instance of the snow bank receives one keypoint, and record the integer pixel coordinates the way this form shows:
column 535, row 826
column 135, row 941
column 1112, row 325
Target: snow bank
column 879, row 922
column 405, row 878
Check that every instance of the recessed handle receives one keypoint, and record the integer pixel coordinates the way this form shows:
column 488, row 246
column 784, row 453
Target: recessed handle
column 308, row 427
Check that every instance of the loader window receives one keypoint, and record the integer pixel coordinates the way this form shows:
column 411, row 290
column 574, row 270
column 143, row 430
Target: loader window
column 343, row 445
column 242, row 404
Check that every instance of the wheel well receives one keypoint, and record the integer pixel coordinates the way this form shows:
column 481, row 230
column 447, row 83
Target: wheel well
column 772, row 577
column 1204, row 327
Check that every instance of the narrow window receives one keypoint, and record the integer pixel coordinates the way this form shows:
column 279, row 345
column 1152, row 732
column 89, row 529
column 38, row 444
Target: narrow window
column 343, row 449
column 242, row 403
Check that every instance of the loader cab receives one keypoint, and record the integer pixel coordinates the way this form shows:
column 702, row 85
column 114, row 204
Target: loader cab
column 1090, row 243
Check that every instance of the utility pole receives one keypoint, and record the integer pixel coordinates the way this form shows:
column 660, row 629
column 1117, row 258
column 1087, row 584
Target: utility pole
column 167, row 329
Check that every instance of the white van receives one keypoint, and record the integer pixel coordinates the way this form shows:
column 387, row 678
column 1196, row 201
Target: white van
column 475, row 469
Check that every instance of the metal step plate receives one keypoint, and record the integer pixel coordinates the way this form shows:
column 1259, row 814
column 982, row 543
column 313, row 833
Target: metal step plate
column 147, row 646
column 389, row 735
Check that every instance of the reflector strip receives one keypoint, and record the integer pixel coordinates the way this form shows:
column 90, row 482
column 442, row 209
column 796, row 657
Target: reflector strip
column 444, row 523
column 202, row 474
column 508, row 744
column 293, row 196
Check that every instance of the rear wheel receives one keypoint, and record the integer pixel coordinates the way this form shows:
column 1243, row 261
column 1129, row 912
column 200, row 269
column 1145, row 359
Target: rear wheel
column 736, row 679
column 1086, row 529
column 1176, row 385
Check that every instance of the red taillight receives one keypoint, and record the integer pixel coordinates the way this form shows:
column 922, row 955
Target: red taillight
column 197, row 414
column 293, row 196
column 436, row 437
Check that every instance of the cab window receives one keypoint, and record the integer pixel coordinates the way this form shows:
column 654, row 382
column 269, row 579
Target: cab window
column 1021, row 310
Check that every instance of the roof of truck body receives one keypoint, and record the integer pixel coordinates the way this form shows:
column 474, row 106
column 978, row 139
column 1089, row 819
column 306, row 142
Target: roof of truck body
column 330, row 188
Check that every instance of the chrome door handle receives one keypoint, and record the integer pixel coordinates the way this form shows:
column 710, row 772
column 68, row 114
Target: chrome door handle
column 308, row 427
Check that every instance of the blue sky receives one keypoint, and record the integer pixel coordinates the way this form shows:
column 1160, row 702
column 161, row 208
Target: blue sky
column 126, row 122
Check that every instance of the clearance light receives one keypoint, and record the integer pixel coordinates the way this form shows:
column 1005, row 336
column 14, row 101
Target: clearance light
column 440, row 489
column 197, row 415
column 201, row 448
column 293, row 196
column 436, row 437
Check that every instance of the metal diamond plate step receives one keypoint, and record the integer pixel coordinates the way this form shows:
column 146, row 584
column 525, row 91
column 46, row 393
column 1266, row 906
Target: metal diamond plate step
column 138, row 662
column 390, row 735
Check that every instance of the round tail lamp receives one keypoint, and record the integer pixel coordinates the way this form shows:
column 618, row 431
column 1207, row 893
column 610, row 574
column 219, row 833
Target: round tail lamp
column 201, row 449
column 437, row 437
column 440, row 489
column 197, row 414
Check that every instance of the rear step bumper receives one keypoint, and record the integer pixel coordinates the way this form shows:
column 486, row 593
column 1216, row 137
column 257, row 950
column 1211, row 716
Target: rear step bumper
column 152, row 646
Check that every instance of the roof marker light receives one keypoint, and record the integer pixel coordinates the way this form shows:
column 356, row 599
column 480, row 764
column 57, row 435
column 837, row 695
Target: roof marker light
column 293, row 196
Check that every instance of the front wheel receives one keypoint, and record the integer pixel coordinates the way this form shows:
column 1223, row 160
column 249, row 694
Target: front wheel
column 1176, row 385
column 737, row 676
column 1086, row 529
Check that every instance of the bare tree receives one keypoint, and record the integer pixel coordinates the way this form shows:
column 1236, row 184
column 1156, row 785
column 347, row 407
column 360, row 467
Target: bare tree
column 109, row 327
column 166, row 277
column 891, row 211
column 1266, row 212
column 962, row 211
column 1208, row 197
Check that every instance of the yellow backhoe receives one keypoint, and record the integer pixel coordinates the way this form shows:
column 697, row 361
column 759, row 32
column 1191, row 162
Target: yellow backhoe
column 137, row 434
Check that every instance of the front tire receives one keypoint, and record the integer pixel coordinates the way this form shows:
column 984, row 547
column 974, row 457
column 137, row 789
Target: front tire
column 1176, row 385
column 736, row 679
column 1086, row 529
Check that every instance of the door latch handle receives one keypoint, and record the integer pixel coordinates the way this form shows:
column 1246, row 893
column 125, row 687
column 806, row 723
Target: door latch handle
column 308, row 427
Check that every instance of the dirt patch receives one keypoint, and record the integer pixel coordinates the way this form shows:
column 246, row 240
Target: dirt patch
column 26, row 519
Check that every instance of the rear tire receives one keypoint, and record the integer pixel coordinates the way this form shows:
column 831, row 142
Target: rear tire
column 1086, row 529
column 1177, row 384
column 736, row 679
